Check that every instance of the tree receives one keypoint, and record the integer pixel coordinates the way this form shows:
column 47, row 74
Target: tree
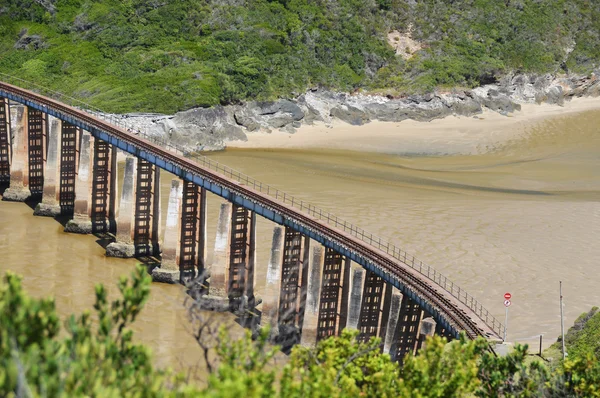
column 97, row 361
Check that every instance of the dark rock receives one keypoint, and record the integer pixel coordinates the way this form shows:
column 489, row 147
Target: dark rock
column 387, row 112
column 350, row 114
column 288, row 129
column 165, row 275
column 16, row 195
column 79, row 226
column 33, row 42
column 243, row 120
column 214, row 303
column 467, row 107
column 500, row 103
column 120, row 250
column 231, row 133
column 555, row 96
column 594, row 89
column 44, row 210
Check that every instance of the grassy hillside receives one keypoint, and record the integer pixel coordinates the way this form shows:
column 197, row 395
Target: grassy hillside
column 169, row 55
column 582, row 338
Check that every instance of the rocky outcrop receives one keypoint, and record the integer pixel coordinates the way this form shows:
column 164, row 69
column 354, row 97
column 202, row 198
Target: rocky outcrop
column 29, row 42
column 211, row 128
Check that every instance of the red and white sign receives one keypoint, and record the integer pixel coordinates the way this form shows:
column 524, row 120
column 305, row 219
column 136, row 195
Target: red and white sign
column 507, row 296
column 507, row 303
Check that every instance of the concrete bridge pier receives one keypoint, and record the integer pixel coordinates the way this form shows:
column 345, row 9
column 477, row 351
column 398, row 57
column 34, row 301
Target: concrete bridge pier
column 395, row 305
column 426, row 329
column 18, row 190
column 286, row 291
column 220, row 262
column 5, row 141
column 155, row 214
column 169, row 268
column 82, row 212
column 356, row 289
column 231, row 275
column 270, row 298
column 124, row 247
column 313, row 294
column 139, row 211
column 50, row 204
column 184, row 246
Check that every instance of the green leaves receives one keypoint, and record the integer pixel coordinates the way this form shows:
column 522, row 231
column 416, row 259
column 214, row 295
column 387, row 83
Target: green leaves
column 95, row 356
column 88, row 361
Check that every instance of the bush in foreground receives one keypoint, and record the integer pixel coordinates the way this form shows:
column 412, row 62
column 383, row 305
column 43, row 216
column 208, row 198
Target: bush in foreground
column 98, row 358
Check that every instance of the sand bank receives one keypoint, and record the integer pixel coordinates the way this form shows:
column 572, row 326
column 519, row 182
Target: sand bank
column 454, row 134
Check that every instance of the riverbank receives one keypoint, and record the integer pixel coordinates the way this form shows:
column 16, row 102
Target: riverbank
column 210, row 129
column 450, row 135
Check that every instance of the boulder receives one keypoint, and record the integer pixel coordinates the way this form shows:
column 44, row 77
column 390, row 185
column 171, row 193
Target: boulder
column 349, row 114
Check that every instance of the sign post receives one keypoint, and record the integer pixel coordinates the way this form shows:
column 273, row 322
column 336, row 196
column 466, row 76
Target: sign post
column 507, row 297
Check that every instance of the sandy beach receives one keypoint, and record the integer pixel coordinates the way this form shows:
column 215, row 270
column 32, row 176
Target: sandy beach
column 454, row 134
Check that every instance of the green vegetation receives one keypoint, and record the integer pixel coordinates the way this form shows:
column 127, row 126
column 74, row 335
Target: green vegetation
column 165, row 56
column 94, row 356
column 582, row 337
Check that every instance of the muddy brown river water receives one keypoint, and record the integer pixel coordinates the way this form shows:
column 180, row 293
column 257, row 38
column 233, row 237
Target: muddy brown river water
column 516, row 219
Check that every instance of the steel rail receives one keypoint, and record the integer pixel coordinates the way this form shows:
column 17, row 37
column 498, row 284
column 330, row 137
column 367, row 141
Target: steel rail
column 388, row 262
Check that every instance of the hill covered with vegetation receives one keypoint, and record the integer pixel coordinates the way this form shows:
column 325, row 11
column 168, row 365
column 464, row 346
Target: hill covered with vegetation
column 170, row 55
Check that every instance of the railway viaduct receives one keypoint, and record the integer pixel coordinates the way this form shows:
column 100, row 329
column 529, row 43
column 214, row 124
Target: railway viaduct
column 324, row 274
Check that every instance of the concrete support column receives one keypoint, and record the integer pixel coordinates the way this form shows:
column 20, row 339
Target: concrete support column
column 202, row 251
column 248, row 300
column 304, row 282
column 19, row 171
column 156, row 213
column 385, row 310
column 426, row 328
column 82, row 222
column 219, row 270
column 270, row 303
column 356, row 289
column 50, row 205
column 393, row 320
column 124, row 247
column 113, row 190
column 345, row 299
column 169, row 268
column 313, row 295
column 5, row 141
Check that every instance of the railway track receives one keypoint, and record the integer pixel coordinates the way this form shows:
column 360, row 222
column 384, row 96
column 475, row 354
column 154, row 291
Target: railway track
column 448, row 306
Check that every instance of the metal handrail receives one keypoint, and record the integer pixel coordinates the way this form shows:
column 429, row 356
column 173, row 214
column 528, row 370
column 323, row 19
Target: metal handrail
column 367, row 237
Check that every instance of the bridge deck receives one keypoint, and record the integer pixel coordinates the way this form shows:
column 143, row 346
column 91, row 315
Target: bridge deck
column 455, row 313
